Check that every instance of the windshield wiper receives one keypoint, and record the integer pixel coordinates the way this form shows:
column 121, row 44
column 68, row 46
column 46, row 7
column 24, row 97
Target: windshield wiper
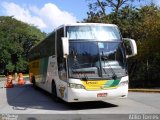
column 114, row 76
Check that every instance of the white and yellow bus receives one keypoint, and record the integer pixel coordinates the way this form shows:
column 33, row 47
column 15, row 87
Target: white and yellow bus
column 82, row 62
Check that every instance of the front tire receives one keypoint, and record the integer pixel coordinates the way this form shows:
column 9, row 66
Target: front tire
column 54, row 92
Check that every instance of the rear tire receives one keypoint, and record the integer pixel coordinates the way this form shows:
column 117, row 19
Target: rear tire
column 34, row 82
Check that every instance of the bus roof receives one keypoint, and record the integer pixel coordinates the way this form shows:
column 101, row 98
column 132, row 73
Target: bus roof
column 75, row 24
column 84, row 24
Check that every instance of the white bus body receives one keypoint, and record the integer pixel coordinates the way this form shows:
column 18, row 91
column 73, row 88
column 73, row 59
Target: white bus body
column 82, row 62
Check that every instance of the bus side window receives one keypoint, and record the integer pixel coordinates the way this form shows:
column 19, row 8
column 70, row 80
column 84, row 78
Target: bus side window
column 60, row 59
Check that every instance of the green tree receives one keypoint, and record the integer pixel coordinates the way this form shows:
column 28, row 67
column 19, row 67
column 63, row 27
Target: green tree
column 10, row 67
column 148, row 44
column 97, row 9
column 16, row 39
column 143, row 25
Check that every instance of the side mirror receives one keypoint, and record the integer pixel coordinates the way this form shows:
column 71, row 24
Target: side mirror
column 65, row 45
column 131, row 47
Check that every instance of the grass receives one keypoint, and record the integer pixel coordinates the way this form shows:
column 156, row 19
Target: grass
column 25, row 75
column 2, row 76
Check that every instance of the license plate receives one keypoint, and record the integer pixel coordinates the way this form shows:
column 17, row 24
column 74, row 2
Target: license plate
column 101, row 94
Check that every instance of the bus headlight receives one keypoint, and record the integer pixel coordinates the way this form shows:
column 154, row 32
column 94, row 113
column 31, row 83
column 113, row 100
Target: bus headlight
column 76, row 86
column 124, row 83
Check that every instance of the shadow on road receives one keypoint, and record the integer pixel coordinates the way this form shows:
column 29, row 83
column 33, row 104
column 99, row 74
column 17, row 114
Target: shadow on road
column 24, row 97
column 90, row 105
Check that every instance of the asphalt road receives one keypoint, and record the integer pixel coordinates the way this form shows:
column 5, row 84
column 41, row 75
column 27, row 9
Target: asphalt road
column 26, row 102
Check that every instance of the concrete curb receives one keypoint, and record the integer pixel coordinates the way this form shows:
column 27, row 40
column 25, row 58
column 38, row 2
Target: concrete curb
column 145, row 90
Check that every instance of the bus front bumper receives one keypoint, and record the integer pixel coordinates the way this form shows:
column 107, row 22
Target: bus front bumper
column 81, row 95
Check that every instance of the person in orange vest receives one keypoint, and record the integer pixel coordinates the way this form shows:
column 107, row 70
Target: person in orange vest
column 21, row 80
column 9, row 83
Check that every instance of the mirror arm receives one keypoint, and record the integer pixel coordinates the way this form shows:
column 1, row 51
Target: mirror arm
column 65, row 46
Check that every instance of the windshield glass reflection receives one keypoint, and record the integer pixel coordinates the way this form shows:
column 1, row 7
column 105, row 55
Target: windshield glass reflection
column 95, row 59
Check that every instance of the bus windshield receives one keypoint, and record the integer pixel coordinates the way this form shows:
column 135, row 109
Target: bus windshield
column 96, row 59
column 103, row 33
